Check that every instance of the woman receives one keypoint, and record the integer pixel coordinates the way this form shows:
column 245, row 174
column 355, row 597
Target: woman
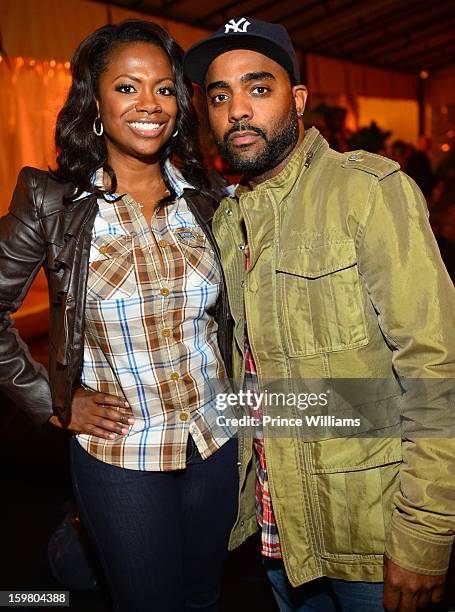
column 137, row 300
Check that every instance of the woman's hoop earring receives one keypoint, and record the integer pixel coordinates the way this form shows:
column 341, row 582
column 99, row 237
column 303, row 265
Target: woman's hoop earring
column 175, row 133
column 98, row 127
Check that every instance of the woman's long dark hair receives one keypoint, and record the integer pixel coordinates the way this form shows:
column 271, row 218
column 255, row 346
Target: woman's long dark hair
column 80, row 151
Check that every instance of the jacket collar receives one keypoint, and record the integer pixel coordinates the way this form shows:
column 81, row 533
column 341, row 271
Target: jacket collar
column 302, row 155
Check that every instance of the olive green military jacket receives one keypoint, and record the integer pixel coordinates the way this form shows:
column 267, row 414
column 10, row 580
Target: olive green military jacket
column 345, row 281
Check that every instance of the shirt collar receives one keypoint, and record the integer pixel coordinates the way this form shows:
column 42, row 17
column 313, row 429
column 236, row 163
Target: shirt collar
column 176, row 179
column 173, row 174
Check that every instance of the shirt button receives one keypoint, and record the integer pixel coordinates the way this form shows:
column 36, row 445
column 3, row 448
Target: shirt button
column 164, row 291
column 228, row 212
column 200, row 237
column 162, row 244
column 183, row 416
column 103, row 249
column 242, row 247
column 166, row 333
column 175, row 376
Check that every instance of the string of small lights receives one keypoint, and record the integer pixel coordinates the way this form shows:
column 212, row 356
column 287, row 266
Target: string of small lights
column 34, row 64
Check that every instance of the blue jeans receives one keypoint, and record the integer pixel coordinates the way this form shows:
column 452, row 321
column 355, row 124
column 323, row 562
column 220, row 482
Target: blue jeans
column 327, row 594
column 161, row 536
column 324, row 594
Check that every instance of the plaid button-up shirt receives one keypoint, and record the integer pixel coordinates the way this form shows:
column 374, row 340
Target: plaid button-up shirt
column 148, row 335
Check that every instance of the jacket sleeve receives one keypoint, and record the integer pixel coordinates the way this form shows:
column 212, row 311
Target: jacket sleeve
column 22, row 252
column 415, row 302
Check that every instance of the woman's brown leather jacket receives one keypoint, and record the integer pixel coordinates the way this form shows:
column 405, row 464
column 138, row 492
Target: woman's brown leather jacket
column 44, row 229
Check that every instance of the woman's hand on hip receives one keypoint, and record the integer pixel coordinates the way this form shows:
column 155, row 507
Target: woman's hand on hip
column 97, row 414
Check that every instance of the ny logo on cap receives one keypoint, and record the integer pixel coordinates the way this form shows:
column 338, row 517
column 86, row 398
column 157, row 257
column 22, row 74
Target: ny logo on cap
column 237, row 26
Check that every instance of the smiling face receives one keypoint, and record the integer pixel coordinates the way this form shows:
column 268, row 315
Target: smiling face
column 253, row 110
column 137, row 102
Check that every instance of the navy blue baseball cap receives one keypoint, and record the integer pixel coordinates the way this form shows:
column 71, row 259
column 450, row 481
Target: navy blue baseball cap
column 270, row 39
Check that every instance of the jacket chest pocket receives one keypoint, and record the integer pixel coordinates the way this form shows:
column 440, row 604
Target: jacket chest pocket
column 320, row 299
column 111, row 269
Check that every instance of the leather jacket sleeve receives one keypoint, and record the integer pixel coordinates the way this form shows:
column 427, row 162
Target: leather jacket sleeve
column 22, row 253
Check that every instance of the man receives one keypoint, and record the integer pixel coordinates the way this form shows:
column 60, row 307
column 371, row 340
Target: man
column 331, row 264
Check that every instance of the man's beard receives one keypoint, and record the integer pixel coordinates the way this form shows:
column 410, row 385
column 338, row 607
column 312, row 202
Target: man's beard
column 282, row 140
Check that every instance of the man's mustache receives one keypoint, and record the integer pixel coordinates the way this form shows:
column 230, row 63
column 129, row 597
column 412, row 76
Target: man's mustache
column 243, row 127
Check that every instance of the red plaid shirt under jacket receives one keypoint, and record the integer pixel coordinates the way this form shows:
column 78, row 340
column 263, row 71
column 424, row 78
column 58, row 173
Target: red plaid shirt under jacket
column 270, row 542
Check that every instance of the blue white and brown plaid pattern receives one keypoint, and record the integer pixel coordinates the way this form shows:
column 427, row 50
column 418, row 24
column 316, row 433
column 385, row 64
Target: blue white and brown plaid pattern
column 149, row 336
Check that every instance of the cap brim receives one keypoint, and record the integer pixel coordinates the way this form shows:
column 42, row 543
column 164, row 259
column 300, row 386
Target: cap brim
column 199, row 57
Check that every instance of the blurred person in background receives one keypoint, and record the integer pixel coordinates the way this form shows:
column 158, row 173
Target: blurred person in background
column 416, row 164
column 445, row 222
column 334, row 127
